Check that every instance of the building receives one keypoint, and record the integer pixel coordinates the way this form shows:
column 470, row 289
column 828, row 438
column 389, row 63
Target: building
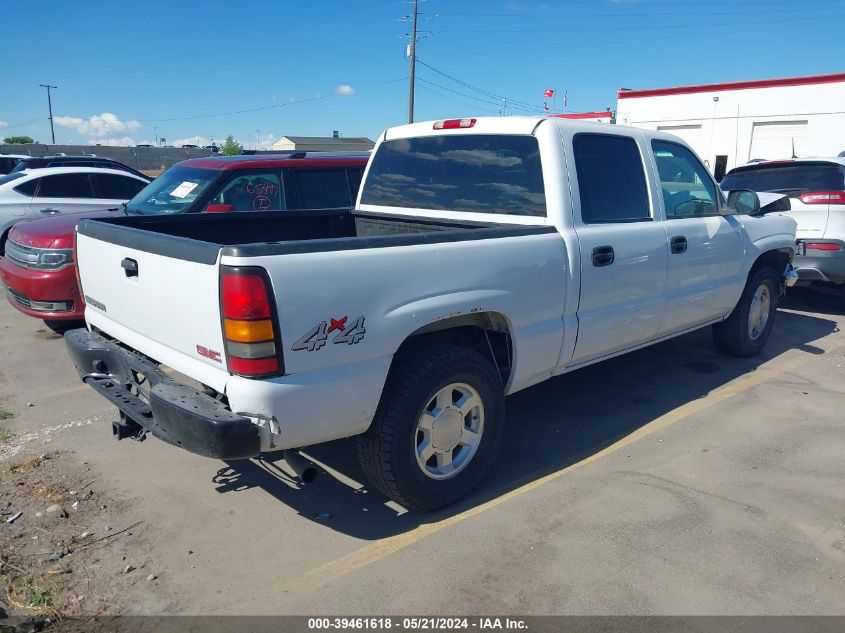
column 334, row 143
column 730, row 124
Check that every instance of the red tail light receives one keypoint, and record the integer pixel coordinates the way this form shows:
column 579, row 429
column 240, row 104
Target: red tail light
column 822, row 246
column 250, row 328
column 823, row 197
column 453, row 124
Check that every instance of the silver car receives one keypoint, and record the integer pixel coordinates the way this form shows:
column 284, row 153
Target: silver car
column 816, row 188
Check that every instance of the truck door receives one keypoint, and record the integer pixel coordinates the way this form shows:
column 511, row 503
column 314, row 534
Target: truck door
column 622, row 243
column 705, row 248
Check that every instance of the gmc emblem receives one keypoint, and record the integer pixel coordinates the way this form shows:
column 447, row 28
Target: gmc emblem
column 209, row 354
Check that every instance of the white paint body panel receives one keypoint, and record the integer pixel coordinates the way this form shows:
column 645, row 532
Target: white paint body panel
column 544, row 286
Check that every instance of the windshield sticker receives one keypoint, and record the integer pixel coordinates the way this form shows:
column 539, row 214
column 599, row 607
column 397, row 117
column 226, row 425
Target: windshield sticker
column 184, row 189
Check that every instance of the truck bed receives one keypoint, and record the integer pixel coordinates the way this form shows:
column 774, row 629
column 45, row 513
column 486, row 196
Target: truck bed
column 201, row 237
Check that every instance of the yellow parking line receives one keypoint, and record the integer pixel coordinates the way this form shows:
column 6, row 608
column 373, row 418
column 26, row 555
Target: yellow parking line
column 383, row 548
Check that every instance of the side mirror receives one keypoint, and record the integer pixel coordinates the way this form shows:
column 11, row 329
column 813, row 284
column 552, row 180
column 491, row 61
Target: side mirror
column 219, row 208
column 743, row 202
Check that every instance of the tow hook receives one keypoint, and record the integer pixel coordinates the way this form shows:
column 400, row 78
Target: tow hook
column 126, row 427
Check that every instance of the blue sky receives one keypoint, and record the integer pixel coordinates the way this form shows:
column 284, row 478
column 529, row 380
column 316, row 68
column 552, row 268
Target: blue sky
column 308, row 68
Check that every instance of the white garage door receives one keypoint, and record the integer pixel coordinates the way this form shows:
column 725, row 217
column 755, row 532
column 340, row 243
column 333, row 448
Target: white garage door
column 773, row 140
column 690, row 133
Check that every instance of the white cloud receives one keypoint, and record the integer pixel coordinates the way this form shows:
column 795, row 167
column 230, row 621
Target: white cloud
column 3, row 124
column 98, row 124
column 345, row 90
column 116, row 141
column 191, row 140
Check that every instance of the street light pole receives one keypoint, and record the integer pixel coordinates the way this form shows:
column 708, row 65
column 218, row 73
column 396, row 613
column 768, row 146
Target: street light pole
column 413, row 56
column 50, row 106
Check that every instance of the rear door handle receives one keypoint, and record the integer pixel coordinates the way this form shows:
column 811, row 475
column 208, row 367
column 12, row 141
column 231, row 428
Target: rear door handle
column 130, row 267
column 678, row 245
column 50, row 211
column 603, row 256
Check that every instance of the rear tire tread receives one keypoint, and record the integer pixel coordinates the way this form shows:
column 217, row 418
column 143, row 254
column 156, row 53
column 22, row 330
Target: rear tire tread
column 411, row 375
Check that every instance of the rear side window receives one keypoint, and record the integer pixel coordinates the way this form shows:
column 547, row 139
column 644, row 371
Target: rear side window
column 28, row 188
column 7, row 164
column 66, row 186
column 254, row 191
column 611, row 179
column 112, row 186
column 355, row 176
column 788, row 178
column 323, row 188
column 480, row 173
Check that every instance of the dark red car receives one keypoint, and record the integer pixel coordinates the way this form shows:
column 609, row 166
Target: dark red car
column 37, row 263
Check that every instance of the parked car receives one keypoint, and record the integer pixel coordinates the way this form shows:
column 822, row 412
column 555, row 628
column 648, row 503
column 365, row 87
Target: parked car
column 483, row 256
column 241, row 183
column 816, row 187
column 63, row 160
column 53, row 190
column 9, row 161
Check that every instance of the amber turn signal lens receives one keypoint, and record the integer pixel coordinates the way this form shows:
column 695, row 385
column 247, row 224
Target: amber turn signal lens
column 249, row 331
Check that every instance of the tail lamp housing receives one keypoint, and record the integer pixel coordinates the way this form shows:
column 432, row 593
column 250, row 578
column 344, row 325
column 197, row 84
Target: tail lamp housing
column 250, row 323
column 823, row 197
column 823, row 246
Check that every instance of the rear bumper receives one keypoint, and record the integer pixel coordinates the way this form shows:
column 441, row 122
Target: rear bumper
column 818, row 265
column 43, row 294
column 173, row 412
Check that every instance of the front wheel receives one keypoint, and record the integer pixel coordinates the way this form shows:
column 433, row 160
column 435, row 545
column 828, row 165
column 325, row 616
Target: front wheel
column 745, row 332
column 437, row 428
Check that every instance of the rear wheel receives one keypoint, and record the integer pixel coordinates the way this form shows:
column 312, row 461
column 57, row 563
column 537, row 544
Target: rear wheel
column 437, row 429
column 745, row 332
column 62, row 326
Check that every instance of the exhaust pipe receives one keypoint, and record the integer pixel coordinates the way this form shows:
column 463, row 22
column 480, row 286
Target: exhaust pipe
column 304, row 470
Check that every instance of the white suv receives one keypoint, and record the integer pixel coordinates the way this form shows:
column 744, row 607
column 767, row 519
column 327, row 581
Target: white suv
column 816, row 188
column 42, row 192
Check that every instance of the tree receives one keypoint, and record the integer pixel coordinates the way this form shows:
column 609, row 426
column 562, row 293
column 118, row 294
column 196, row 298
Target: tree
column 231, row 147
column 16, row 140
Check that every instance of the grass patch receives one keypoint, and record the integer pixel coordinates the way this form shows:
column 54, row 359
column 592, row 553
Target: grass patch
column 5, row 435
column 6, row 415
column 38, row 598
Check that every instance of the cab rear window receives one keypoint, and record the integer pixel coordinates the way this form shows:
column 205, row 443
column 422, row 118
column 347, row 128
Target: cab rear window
column 787, row 178
column 477, row 173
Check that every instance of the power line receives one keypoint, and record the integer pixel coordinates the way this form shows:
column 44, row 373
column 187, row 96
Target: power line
column 426, row 86
column 462, row 94
column 612, row 14
column 11, row 127
column 256, row 109
column 813, row 18
column 515, row 103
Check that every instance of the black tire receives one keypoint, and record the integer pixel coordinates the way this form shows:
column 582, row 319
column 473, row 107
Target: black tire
column 62, row 326
column 387, row 451
column 731, row 335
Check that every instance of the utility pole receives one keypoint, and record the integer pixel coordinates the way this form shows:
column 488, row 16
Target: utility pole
column 50, row 106
column 413, row 57
column 155, row 127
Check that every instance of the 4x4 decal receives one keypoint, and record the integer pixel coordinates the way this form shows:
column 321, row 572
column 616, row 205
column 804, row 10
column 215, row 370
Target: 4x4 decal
column 317, row 336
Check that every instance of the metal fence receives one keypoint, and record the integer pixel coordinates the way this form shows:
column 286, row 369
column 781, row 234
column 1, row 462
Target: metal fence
column 140, row 158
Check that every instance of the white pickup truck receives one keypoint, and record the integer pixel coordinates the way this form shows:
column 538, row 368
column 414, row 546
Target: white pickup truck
column 483, row 256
